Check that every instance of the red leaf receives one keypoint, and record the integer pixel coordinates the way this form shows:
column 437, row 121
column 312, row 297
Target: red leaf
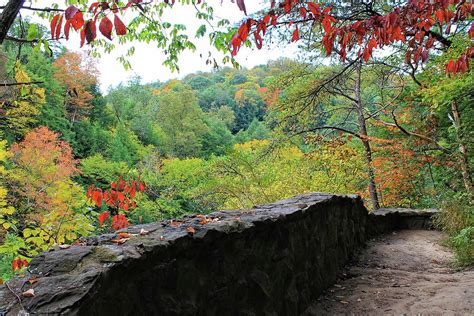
column 105, row 27
column 119, row 222
column 54, row 23
column 440, row 15
column 471, row 31
column 120, row 28
column 70, row 12
column 315, row 9
column 67, row 27
column 451, row 67
column 303, row 12
column 83, row 37
column 58, row 27
column 327, row 24
column 243, row 32
column 241, row 5
column 19, row 263
column 296, row 35
column 103, row 217
column 91, row 31
column 77, row 21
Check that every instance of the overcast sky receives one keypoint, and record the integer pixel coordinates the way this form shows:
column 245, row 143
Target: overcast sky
column 147, row 61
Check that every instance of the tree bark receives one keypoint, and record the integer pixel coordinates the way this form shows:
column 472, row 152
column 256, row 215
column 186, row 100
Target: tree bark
column 7, row 17
column 463, row 157
column 365, row 139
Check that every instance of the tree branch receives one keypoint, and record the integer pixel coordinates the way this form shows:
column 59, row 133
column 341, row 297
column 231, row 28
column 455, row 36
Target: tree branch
column 8, row 15
column 10, row 84
column 39, row 9
column 326, row 127
column 408, row 133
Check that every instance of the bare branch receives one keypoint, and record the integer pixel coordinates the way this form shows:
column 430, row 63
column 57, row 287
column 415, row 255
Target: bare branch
column 10, row 84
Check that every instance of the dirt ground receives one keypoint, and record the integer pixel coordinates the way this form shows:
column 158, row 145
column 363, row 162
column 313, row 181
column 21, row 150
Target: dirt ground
column 406, row 272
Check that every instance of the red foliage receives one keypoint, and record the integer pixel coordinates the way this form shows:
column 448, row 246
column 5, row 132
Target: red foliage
column 103, row 217
column 410, row 24
column 19, row 263
column 119, row 198
column 119, row 222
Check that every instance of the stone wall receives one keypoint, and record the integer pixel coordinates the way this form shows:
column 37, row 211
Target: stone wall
column 385, row 220
column 273, row 260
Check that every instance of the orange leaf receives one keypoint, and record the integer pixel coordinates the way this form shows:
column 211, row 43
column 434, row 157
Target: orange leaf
column 120, row 241
column 124, row 235
column 191, row 230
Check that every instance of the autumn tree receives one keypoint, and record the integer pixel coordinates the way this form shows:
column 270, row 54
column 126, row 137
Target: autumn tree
column 77, row 76
column 49, row 206
column 20, row 105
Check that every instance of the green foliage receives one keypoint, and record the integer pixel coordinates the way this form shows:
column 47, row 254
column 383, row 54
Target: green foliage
column 100, row 172
column 9, row 249
column 125, row 146
column 457, row 219
column 181, row 120
column 256, row 130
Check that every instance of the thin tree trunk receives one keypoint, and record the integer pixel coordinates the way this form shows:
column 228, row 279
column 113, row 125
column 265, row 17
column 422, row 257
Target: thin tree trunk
column 365, row 140
column 7, row 17
column 463, row 158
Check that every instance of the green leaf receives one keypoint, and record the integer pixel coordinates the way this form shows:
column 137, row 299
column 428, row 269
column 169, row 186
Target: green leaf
column 32, row 32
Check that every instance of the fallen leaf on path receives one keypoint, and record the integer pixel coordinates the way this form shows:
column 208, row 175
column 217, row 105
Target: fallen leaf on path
column 175, row 223
column 162, row 237
column 33, row 280
column 124, row 235
column 143, row 232
column 120, row 241
column 191, row 230
column 29, row 293
column 343, row 302
column 64, row 246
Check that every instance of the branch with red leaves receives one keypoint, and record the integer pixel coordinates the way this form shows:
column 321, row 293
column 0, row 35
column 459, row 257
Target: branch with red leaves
column 411, row 24
column 118, row 200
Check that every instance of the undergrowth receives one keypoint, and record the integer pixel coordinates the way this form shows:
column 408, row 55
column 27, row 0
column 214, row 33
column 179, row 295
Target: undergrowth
column 457, row 220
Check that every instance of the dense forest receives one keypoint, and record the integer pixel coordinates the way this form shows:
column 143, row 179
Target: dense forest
column 77, row 162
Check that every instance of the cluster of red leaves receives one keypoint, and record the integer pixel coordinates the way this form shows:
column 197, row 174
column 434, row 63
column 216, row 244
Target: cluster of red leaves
column 409, row 24
column 99, row 11
column 120, row 197
column 19, row 263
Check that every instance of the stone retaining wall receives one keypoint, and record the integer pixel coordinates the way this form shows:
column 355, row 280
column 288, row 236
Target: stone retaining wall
column 269, row 260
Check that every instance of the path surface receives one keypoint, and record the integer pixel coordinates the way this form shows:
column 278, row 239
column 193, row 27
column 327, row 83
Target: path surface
column 407, row 272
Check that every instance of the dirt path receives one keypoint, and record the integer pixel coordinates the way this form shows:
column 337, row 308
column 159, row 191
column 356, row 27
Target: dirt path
column 407, row 272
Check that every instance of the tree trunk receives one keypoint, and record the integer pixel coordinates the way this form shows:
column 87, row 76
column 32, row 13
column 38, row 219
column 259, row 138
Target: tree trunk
column 365, row 140
column 463, row 158
column 7, row 17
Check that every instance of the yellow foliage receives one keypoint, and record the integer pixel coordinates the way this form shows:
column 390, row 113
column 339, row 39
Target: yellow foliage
column 22, row 110
column 255, row 174
column 5, row 209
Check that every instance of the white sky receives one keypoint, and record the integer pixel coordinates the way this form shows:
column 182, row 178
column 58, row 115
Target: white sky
column 147, row 61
